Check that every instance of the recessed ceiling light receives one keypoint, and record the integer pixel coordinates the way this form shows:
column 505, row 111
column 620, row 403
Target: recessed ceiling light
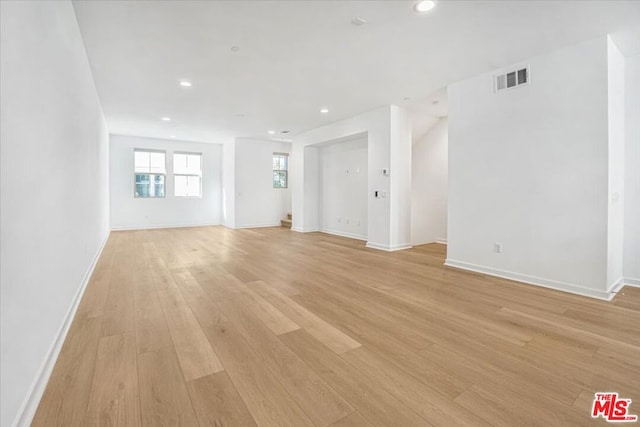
column 173, row 136
column 271, row 132
column 435, row 102
column 235, row 48
column 324, row 110
column 166, row 119
column 406, row 98
column 424, row 6
column 185, row 83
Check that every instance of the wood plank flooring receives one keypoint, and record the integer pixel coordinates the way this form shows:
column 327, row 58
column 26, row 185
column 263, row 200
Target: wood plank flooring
column 267, row 327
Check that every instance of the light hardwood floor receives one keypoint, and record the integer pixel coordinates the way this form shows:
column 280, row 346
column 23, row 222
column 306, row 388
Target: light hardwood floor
column 213, row 327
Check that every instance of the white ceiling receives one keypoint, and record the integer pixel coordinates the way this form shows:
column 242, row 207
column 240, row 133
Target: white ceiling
column 296, row 57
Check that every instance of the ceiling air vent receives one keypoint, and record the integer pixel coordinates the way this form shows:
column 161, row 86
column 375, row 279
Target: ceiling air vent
column 512, row 79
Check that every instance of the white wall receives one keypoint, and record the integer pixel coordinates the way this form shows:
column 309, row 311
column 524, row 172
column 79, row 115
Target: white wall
column 429, row 186
column 54, row 192
column 632, row 172
column 528, row 167
column 388, row 132
column 343, row 188
column 127, row 212
column 257, row 203
column 616, row 119
column 229, row 184
column 311, row 193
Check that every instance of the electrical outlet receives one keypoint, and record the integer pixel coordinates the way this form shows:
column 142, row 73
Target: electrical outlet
column 358, row 223
column 347, row 220
column 497, row 247
column 339, row 219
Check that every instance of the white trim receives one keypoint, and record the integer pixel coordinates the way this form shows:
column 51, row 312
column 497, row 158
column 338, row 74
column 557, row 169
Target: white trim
column 153, row 227
column 32, row 399
column 400, row 247
column 631, row 282
column 438, row 241
column 617, row 285
column 423, row 243
column 343, row 234
column 268, row 224
column 389, row 248
column 532, row 280
column 302, row 230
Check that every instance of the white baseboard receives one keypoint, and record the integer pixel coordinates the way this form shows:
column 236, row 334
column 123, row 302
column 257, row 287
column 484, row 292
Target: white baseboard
column 265, row 224
column 532, row 280
column 628, row 281
column 32, row 399
column 615, row 288
column 617, row 285
column 154, row 227
column 389, row 248
column 343, row 234
column 302, row 230
column 438, row 241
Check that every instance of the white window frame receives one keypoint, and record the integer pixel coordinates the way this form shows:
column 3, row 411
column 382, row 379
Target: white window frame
column 286, row 171
column 173, row 158
column 146, row 150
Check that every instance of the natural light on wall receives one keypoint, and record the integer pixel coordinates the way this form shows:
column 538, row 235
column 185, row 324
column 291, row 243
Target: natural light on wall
column 187, row 174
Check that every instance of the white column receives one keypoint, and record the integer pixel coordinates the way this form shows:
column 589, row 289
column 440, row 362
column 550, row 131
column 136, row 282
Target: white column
column 400, row 195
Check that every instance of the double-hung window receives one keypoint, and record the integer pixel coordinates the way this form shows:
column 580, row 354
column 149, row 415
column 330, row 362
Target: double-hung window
column 187, row 174
column 149, row 173
column 280, row 170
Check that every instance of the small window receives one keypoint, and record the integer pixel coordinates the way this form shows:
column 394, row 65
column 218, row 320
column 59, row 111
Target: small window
column 280, row 169
column 187, row 174
column 149, row 173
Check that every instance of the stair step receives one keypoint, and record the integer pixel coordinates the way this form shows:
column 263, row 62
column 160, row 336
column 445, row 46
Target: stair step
column 285, row 223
